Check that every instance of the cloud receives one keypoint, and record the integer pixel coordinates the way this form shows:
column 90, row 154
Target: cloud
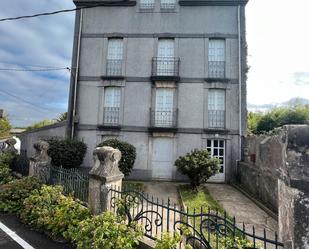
column 41, row 41
column 301, row 78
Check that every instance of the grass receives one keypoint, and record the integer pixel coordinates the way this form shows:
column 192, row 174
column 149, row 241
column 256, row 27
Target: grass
column 197, row 199
column 133, row 185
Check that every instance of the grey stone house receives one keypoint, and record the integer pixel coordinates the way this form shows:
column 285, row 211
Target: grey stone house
column 167, row 76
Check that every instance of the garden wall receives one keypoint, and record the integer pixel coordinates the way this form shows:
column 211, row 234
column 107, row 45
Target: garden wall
column 28, row 138
column 266, row 156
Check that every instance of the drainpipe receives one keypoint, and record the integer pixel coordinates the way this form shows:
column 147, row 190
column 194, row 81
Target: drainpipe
column 73, row 95
column 239, row 85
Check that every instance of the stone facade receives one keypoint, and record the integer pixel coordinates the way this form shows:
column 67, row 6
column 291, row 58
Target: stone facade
column 191, row 27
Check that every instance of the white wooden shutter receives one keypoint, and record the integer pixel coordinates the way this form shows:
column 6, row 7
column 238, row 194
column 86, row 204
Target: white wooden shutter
column 165, row 63
column 216, row 50
column 166, row 48
column 115, row 49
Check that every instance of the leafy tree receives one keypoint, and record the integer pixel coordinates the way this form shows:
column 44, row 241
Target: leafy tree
column 5, row 127
column 198, row 165
column 128, row 154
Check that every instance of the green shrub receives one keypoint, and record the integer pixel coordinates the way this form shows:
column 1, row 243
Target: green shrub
column 6, row 160
column 128, row 154
column 14, row 193
column 68, row 153
column 5, row 127
column 198, row 166
column 47, row 208
column 105, row 231
column 238, row 243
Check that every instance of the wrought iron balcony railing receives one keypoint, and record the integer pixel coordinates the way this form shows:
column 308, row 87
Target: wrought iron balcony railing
column 216, row 69
column 216, row 119
column 165, row 66
column 114, row 67
column 168, row 4
column 111, row 116
column 163, row 118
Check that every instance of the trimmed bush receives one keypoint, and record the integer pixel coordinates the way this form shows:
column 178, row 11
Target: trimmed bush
column 198, row 166
column 105, row 231
column 14, row 193
column 68, row 153
column 6, row 160
column 47, row 208
column 128, row 154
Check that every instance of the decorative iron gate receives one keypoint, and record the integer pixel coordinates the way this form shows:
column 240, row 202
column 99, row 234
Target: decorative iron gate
column 200, row 228
column 73, row 181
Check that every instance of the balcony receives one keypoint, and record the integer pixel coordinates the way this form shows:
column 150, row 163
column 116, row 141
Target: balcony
column 163, row 119
column 165, row 68
column 216, row 119
column 114, row 68
column 216, row 69
column 111, row 116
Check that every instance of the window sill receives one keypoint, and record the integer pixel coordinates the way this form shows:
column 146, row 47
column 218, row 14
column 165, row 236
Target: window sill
column 224, row 80
column 216, row 130
column 105, row 77
column 105, row 127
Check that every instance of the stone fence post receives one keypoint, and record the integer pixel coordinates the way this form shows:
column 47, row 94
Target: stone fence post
column 104, row 175
column 40, row 162
column 9, row 148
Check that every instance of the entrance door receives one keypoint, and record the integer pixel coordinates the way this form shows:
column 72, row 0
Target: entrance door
column 162, row 158
column 165, row 62
column 216, row 148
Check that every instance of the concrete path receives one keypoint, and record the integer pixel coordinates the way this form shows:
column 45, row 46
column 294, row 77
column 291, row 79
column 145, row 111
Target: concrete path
column 244, row 210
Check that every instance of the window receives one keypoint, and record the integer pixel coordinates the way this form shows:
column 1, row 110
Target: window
column 114, row 57
column 216, row 108
column 164, row 114
column 147, row 4
column 216, row 148
column 168, row 4
column 165, row 59
column 111, row 105
column 216, row 59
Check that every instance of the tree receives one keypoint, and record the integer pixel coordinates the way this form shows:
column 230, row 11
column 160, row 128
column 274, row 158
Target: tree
column 5, row 127
column 62, row 117
column 198, row 165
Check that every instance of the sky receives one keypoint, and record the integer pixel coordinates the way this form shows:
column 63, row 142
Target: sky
column 278, row 56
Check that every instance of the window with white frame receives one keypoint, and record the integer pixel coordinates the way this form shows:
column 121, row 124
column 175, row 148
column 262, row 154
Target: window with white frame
column 164, row 113
column 147, row 4
column 112, row 98
column 165, row 59
column 114, row 57
column 216, row 148
column 168, row 4
column 216, row 108
column 216, row 58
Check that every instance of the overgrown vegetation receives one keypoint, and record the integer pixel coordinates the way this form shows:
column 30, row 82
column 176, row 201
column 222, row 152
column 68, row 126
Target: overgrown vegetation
column 6, row 160
column 68, row 153
column 40, row 124
column 198, row 165
column 259, row 123
column 5, row 127
column 128, row 154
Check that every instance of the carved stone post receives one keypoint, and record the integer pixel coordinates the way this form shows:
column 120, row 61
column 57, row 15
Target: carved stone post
column 40, row 163
column 103, row 176
column 10, row 146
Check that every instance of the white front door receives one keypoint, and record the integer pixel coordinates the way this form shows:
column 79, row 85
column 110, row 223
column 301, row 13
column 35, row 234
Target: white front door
column 216, row 148
column 165, row 64
column 162, row 158
column 164, row 107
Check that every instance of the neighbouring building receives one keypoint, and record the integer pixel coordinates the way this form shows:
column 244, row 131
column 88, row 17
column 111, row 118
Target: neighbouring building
column 167, row 76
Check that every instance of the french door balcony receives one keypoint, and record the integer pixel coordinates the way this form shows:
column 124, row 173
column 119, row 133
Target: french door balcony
column 165, row 68
column 111, row 116
column 163, row 118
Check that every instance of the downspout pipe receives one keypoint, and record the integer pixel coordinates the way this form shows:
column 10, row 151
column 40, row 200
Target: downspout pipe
column 74, row 76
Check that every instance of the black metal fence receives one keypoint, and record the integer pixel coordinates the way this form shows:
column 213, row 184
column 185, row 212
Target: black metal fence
column 111, row 115
column 20, row 163
column 165, row 66
column 216, row 118
column 199, row 228
column 216, row 69
column 73, row 181
column 163, row 118
column 114, row 67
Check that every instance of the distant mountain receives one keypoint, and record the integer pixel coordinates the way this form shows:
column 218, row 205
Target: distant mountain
column 266, row 107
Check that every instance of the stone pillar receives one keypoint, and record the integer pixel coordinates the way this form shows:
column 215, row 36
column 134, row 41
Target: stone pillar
column 40, row 163
column 9, row 148
column 104, row 175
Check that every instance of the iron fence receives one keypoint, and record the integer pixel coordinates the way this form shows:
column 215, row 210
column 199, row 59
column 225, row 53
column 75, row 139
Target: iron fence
column 111, row 115
column 199, row 228
column 216, row 69
column 73, row 181
column 216, row 118
column 20, row 163
column 165, row 66
column 163, row 118
column 114, row 67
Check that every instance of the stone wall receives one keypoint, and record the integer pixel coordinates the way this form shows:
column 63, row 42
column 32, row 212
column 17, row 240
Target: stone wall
column 264, row 158
column 28, row 138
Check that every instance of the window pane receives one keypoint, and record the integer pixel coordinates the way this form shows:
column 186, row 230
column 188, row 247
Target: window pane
column 147, row 4
column 168, row 4
column 115, row 49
